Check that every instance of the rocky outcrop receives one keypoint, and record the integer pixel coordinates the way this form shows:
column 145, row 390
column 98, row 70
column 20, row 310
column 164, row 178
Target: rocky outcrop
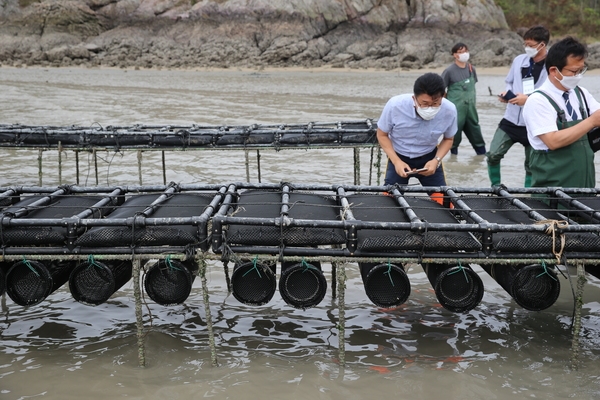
column 252, row 33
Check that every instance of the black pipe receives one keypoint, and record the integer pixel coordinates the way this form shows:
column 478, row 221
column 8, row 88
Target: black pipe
column 253, row 282
column 29, row 282
column 302, row 284
column 93, row 282
column 169, row 281
column 386, row 285
column 534, row 287
column 457, row 287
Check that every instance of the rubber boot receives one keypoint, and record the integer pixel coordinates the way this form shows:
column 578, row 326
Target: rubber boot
column 480, row 150
column 527, row 180
column 454, row 150
column 494, row 174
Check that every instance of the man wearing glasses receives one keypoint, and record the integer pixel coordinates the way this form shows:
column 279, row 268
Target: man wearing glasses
column 526, row 74
column 409, row 132
column 558, row 117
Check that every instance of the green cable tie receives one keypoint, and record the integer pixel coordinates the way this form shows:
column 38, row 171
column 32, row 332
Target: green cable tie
column 170, row 264
column 545, row 271
column 460, row 268
column 306, row 266
column 91, row 261
column 389, row 273
column 28, row 264
column 254, row 267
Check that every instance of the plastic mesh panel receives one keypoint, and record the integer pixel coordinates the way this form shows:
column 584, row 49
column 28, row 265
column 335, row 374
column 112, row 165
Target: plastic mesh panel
column 302, row 285
column 94, row 282
column 535, row 287
column 459, row 289
column 386, row 285
column 30, row 282
column 179, row 205
column 257, row 204
column 379, row 208
column 62, row 207
column 170, row 282
column 500, row 211
column 253, row 283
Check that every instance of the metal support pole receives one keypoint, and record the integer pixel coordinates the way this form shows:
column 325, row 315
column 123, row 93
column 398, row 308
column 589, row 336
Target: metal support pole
column 164, row 167
column 258, row 165
column 378, row 164
column 356, row 166
column 581, row 280
column 40, row 167
column 77, row 166
column 341, row 278
column 371, row 166
column 247, row 156
column 209, row 324
column 139, row 159
column 95, row 165
column 60, row 163
column 139, row 321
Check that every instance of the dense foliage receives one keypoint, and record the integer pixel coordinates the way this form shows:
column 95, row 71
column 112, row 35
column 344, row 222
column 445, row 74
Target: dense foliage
column 562, row 17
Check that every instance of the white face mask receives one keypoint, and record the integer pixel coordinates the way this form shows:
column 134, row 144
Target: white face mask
column 428, row 113
column 569, row 82
column 463, row 57
column 531, row 51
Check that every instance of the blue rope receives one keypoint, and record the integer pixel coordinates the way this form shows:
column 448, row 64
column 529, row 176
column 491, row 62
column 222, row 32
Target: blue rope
column 253, row 268
column 91, row 261
column 460, row 268
column 307, row 266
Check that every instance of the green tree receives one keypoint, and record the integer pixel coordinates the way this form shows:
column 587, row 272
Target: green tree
column 562, row 17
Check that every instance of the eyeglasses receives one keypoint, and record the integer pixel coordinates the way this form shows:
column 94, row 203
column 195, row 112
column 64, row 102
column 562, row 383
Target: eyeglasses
column 532, row 45
column 435, row 103
column 578, row 72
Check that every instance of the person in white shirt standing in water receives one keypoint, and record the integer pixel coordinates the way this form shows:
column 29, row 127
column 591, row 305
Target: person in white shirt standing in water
column 558, row 117
column 526, row 74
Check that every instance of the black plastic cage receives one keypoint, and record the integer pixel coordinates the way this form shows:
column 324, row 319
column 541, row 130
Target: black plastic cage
column 253, row 282
column 29, row 282
column 302, row 284
column 169, row 281
column 457, row 287
column 534, row 287
column 386, row 284
column 93, row 282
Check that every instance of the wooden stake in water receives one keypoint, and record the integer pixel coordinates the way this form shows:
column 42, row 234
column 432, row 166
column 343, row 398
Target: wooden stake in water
column 581, row 280
column 40, row 167
column 60, row 162
column 164, row 166
column 356, row 166
column 139, row 321
column 247, row 157
column 139, row 159
column 341, row 289
column 209, row 326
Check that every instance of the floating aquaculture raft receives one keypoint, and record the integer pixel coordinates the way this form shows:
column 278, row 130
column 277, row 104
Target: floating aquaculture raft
column 89, row 237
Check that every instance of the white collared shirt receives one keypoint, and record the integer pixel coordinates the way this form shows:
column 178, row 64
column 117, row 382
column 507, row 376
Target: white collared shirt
column 540, row 116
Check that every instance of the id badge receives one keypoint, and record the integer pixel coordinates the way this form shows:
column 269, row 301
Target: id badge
column 528, row 86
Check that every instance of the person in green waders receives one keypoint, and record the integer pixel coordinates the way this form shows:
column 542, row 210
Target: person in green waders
column 527, row 73
column 460, row 78
column 558, row 117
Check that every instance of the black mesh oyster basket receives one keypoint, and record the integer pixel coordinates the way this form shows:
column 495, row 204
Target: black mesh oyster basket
column 169, row 282
column 386, row 284
column 93, row 282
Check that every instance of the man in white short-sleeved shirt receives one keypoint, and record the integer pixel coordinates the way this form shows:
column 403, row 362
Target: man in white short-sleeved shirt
column 409, row 132
column 558, row 117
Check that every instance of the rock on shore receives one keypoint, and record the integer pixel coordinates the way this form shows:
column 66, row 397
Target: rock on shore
column 255, row 33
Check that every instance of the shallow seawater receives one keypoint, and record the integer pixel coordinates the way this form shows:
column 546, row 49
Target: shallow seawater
column 61, row 349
